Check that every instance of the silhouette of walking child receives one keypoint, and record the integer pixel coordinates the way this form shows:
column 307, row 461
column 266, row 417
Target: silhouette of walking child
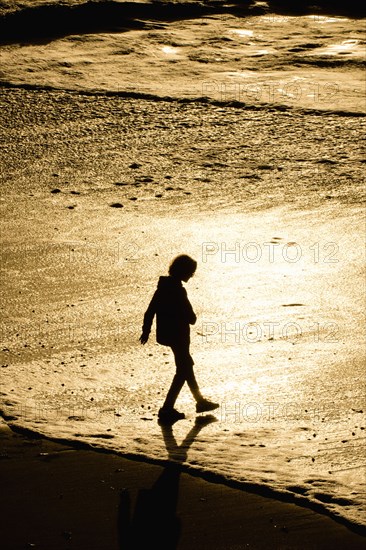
column 174, row 315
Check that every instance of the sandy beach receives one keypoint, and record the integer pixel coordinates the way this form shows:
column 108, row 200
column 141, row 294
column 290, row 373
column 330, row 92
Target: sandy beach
column 99, row 191
column 54, row 496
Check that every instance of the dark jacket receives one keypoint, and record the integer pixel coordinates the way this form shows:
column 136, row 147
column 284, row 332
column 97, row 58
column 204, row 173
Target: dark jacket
column 173, row 312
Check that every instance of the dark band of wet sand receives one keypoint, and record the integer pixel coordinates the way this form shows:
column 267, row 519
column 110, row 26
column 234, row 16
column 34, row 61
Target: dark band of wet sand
column 54, row 496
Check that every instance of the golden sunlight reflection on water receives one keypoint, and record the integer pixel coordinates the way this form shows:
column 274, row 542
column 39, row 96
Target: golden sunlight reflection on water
column 267, row 297
column 169, row 50
column 242, row 32
column 351, row 46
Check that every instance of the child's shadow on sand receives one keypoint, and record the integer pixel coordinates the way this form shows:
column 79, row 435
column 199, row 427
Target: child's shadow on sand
column 154, row 523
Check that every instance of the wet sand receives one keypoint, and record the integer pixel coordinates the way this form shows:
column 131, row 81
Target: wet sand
column 54, row 496
column 65, row 171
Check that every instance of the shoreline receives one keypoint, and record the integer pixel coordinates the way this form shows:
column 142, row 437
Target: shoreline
column 145, row 485
column 272, row 107
column 277, row 499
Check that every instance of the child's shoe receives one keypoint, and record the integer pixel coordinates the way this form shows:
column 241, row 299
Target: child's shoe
column 204, row 405
column 169, row 415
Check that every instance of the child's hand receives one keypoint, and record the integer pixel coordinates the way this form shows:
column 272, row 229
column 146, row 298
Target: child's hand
column 144, row 338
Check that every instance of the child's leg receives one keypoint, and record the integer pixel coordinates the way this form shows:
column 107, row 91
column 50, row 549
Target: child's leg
column 192, row 382
column 184, row 362
column 176, row 386
column 184, row 373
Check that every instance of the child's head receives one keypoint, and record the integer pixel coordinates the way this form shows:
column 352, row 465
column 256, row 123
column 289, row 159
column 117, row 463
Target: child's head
column 182, row 267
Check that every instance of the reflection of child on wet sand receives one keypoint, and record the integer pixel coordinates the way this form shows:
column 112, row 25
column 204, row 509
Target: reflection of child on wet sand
column 174, row 314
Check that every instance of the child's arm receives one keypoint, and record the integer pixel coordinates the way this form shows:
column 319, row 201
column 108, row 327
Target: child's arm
column 148, row 319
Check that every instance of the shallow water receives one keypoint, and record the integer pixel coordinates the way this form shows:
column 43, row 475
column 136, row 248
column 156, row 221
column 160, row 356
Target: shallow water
column 310, row 61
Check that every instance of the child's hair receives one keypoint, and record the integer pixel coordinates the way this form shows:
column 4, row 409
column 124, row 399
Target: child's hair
column 182, row 265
